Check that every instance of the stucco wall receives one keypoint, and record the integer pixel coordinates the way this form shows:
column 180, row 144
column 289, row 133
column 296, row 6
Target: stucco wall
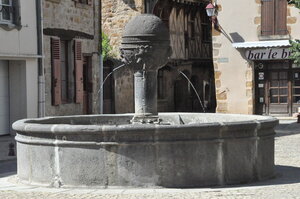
column 67, row 15
column 233, row 72
column 23, row 41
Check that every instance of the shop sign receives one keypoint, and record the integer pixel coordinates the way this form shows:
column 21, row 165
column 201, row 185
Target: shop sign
column 268, row 54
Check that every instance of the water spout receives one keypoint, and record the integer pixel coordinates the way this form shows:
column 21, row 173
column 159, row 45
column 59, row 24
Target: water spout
column 109, row 74
column 184, row 75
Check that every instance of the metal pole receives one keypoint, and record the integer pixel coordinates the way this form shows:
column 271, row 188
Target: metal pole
column 101, row 61
column 41, row 75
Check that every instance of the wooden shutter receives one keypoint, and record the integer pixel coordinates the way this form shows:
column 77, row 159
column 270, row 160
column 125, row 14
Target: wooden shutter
column 172, row 29
column 78, row 72
column 280, row 17
column 198, row 36
column 267, row 17
column 177, row 33
column 56, row 71
column 181, row 34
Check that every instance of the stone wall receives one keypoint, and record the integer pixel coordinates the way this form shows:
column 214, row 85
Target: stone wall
column 115, row 15
column 84, row 19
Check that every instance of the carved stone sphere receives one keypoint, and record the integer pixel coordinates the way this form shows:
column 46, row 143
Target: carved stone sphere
column 146, row 43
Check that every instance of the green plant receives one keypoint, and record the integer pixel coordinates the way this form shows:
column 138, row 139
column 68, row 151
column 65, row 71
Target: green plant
column 106, row 47
column 295, row 48
column 295, row 2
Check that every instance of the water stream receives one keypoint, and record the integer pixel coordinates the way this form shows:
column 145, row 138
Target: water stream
column 117, row 68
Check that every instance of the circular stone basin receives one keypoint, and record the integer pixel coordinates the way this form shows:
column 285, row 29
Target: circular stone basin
column 184, row 150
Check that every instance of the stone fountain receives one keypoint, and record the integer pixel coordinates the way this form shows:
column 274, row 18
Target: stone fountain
column 145, row 149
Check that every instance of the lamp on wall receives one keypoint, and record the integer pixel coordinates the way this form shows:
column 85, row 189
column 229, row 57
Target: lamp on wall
column 212, row 12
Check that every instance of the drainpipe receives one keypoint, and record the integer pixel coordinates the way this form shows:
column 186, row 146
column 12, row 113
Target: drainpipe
column 100, row 60
column 41, row 76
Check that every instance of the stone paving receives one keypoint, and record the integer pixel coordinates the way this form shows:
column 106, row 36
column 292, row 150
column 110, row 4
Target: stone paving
column 285, row 185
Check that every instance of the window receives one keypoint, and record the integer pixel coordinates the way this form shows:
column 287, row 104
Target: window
column 6, row 11
column 9, row 14
column 273, row 17
column 67, row 71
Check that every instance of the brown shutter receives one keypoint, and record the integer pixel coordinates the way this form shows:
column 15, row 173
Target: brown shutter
column 56, row 72
column 267, row 17
column 78, row 72
column 90, row 2
column 181, row 34
column 280, row 15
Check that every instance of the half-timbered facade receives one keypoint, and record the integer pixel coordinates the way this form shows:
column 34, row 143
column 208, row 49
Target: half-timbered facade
column 190, row 36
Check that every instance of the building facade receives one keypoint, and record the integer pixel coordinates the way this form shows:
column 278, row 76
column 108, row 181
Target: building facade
column 71, row 34
column 253, row 72
column 190, row 37
column 18, row 62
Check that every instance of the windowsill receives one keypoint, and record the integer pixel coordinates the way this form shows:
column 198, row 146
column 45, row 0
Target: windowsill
column 274, row 37
column 9, row 27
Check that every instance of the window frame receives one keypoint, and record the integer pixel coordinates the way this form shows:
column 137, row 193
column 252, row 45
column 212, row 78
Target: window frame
column 11, row 7
column 67, row 66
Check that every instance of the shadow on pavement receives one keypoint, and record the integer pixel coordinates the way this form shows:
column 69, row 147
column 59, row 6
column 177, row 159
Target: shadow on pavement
column 287, row 129
column 283, row 175
column 8, row 168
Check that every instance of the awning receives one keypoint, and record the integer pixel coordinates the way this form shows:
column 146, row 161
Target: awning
column 262, row 44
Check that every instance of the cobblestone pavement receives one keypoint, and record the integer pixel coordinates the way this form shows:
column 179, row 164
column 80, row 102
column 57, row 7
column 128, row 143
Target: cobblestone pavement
column 285, row 185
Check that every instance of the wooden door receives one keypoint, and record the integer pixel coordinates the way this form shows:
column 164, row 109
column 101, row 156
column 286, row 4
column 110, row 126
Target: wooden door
column 182, row 94
column 278, row 91
column 273, row 88
column 87, row 85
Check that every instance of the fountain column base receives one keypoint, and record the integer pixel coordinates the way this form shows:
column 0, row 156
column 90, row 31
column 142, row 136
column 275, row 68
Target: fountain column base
column 145, row 94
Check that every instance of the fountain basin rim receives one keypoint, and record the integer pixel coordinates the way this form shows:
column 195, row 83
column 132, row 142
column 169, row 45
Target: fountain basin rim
column 36, row 126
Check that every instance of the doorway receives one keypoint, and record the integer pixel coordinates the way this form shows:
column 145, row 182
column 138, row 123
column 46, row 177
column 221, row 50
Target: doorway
column 87, row 85
column 277, row 88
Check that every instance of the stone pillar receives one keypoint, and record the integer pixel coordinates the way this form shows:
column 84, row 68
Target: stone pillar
column 145, row 94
